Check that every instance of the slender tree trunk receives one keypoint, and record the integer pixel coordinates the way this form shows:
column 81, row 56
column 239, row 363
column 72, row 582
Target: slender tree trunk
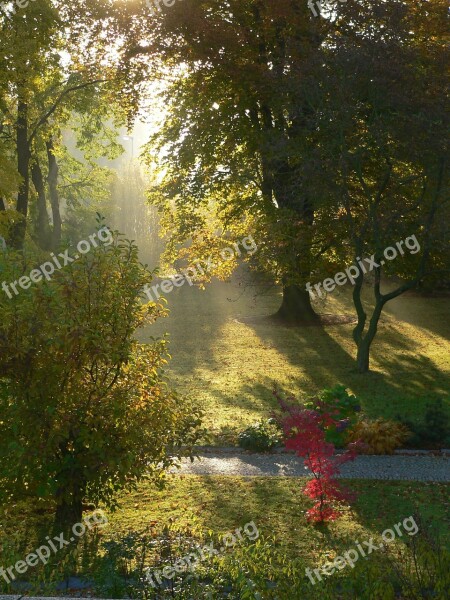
column 2, row 204
column 53, row 171
column 296, row 306
column 363, row 357
column 23, row 164
column 364, row 342
column 23, row 157
column 43, row 224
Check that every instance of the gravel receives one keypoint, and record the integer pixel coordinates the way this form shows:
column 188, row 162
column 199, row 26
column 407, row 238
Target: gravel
column 408, row 468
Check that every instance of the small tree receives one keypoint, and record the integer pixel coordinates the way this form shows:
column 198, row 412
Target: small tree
column 382, row 141
column 85, row 409
column 305, row 432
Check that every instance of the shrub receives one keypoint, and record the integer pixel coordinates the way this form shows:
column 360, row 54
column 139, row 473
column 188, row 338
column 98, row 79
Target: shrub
column 85, row 409
column 434, row 431
column 342, row 407
column 304, row 431
column 421, row 566
column 261, row 436
column 380, row 436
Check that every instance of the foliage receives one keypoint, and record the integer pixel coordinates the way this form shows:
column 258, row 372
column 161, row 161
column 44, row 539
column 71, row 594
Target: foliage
column 380, row 436
column 303, row 98
column 376, row 93
column 434, row 431
column 305, row 434
column 411, row 568
column 340, row 405
column 261, row 436
column 8, row 222
column 421, row 567
column 9, row 178
column 415, row 569
column 216, row 504
column 85, row 409
column 58, row 113
column 229, row 181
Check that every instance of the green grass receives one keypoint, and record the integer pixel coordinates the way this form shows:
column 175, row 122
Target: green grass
column 276, row 505
column 228, row 356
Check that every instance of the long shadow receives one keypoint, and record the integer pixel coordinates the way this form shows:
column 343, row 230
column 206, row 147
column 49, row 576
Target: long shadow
column 195, row 328
column 428, row 312
column 387, row 391
column 243, row 502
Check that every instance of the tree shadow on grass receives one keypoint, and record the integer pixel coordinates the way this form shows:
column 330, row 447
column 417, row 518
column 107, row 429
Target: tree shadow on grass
column 229, row 358
column 398, row 379
column 427, row 312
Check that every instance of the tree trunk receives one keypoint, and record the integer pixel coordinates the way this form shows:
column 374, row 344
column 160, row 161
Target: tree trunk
column 364, row 342
column 363, row 357
column 2, row 204
column 23, row 164
column 23, row 157
column 67, row 515
column 296, row 306
column 42, row 224
column 53, row 171
column 71, row 491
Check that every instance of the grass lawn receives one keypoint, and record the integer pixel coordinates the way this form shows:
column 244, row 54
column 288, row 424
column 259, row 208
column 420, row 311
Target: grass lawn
column 277, row 507
column 228, row 355
column 217, row 505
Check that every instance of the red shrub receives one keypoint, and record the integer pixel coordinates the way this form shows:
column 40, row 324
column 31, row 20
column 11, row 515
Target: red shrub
column 304, row 431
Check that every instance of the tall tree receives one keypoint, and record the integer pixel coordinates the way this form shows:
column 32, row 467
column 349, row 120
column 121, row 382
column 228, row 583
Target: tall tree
column 45, row 79
column 237, row 120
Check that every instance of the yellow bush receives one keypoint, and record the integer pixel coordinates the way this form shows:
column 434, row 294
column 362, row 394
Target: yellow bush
column 380, row 436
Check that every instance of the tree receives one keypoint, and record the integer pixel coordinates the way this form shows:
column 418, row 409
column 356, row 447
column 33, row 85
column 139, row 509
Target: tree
column 305, row 432
column 85, row 409
column 382, row 140
column 46, row 83
column 237, row 120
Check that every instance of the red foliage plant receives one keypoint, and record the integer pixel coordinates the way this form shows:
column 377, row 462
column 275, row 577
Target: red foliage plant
column 305, row 434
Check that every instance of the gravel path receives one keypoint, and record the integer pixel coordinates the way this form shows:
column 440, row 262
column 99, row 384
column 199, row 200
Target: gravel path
column 409, row 468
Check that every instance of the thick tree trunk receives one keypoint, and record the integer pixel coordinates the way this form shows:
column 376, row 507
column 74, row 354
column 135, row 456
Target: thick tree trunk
column 296, row 306
column 53, row 171
column 67, row 515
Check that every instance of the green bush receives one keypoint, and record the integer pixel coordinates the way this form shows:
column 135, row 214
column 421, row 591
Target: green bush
column 434, row 431
column 85, row 409
column 342, row 407
column 261, row 436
